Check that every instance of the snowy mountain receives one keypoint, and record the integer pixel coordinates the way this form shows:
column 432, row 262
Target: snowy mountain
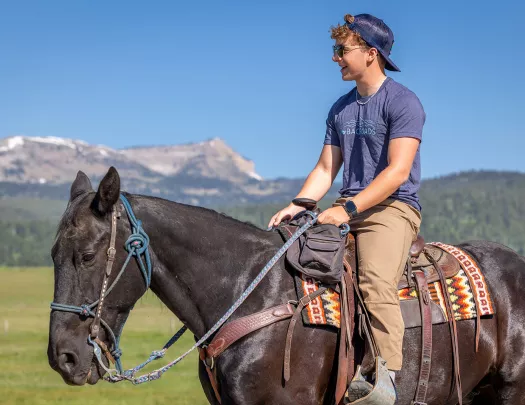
column 197, row 173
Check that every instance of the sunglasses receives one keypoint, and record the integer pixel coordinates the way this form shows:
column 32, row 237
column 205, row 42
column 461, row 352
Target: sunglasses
column 341, row 50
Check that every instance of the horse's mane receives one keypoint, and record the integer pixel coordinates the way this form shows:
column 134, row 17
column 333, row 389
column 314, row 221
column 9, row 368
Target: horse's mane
column 69, row 215
column 201, row 210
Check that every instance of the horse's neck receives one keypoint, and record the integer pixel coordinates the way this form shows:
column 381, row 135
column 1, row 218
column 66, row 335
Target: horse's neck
column 203, row 261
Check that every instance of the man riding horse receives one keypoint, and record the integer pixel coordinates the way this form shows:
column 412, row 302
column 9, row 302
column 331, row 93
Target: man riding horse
column 375, row 131
column 209, row 269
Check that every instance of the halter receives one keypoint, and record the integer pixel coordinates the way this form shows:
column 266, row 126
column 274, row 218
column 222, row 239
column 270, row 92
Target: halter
column 137, row 245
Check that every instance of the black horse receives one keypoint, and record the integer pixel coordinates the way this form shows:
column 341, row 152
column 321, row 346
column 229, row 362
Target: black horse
column 202, row 262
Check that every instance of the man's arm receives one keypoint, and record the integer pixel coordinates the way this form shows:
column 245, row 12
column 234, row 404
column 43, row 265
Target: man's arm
column 323, row 175
column 401, row 154
column 317, row 183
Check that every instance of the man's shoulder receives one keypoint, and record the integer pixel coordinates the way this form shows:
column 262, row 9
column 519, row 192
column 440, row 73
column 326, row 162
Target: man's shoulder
column 342, row 102
column 401, row 101
column 399, row 92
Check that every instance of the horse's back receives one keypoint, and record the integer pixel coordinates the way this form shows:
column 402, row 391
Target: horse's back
column 501, row 336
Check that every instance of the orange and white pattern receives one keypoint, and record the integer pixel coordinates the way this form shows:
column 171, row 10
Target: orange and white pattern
column 326, row 309
column 323, row 310
column 463, row 293
column 479, row 285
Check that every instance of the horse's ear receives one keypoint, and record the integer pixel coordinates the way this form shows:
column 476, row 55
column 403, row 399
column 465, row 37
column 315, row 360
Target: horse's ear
column 108, row 192
column 80, row 186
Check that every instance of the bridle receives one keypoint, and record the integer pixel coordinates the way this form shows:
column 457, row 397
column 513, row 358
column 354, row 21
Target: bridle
column 137, row 245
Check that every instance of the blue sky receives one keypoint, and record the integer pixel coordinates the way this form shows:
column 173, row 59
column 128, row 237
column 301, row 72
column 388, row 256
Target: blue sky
column 258, row 75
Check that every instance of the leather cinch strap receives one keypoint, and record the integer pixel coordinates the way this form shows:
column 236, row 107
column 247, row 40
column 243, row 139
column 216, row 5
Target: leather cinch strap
column 452, row 326
column 297, row 314
column 345, row 368
column 426, row 337
column 211, row 374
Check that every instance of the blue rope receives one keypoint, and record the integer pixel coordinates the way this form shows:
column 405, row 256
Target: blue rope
column 81, row 310
column 138, row 242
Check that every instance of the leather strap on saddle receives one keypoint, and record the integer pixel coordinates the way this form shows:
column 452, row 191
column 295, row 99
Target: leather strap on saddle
column 304, row 301
column 452, row 326
column 345, row 363
column 476, row 302
column 211, row 374
column 238, row 328
column 426, row 338
column 235, row 330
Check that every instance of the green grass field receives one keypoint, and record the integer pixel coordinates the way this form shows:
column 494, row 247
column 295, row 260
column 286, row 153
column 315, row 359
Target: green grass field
column 26, row 378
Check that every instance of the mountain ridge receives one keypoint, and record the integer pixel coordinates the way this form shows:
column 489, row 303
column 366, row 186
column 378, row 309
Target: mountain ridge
column 195, row 173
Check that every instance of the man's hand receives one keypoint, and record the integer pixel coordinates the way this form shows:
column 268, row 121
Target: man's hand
column 286, row 213
column 334, row 215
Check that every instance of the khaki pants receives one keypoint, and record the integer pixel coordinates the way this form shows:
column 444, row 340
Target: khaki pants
column 384, row 235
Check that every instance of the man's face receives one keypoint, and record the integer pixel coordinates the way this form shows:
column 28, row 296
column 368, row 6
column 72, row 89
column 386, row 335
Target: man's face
column 353, row 62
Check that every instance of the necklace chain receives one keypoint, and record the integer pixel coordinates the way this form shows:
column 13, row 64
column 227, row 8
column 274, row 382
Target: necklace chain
column 369, row 98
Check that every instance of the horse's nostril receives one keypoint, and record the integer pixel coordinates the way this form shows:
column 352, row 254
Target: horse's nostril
column 67, row 362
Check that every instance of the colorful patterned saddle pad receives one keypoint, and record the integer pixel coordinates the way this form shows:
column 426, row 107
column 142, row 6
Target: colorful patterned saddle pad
column 323, row 310
column 464, row 291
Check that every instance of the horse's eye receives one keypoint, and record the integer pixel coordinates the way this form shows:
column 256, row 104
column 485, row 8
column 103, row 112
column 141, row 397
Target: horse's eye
column 87, row 257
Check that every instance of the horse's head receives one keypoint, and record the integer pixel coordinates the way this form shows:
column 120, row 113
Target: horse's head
column 80, row 256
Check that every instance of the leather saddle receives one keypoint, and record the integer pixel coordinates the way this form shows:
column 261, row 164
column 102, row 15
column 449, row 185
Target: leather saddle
column 418, row 260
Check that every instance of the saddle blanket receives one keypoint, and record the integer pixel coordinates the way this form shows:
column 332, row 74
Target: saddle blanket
column 465, row 288
column 323, row 310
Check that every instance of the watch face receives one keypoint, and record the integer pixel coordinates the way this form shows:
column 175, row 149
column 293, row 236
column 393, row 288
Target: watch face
column 350, row 206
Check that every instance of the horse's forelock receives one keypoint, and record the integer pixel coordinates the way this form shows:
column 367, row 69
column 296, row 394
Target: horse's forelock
column 70, row 218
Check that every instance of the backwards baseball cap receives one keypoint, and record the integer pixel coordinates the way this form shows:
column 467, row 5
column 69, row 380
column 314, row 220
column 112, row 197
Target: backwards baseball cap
column 376, row 34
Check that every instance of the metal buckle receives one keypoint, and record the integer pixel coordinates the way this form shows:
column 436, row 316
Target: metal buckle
column 111, row 253
column 209, row 362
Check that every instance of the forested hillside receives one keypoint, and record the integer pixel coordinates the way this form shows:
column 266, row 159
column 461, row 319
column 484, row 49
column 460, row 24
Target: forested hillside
column 472, row 205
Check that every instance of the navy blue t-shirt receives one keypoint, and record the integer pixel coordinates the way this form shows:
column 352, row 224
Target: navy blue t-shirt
column 363, row 132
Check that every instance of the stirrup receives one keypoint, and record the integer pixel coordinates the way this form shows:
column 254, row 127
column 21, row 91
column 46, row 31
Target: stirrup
column 382, row 392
